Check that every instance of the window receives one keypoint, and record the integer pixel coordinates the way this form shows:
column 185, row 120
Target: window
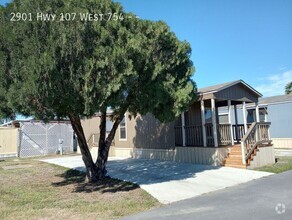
column 223, row 118
column 208, row 115
column 109, row 126
column 123, row 129
column 251, row 116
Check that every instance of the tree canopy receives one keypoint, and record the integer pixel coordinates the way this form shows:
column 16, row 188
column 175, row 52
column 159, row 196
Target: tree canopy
column 288, row 88
column 74, row 68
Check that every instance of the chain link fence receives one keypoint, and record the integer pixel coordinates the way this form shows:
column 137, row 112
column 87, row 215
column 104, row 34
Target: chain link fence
column 38, row 139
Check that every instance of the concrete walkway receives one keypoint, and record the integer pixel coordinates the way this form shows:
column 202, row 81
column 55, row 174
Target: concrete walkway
column 169, row 181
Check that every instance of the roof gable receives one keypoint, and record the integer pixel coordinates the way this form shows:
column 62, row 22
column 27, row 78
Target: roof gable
column 220, row 87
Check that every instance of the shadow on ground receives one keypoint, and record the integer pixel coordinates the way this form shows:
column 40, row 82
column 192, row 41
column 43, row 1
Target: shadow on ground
column 139, row 171
column 153, row 171
column 107, row 185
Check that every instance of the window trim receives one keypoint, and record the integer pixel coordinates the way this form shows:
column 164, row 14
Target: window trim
column 126, row 130
column 224, row 114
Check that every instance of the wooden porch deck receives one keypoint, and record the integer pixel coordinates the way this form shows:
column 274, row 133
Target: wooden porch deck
column 242, row 149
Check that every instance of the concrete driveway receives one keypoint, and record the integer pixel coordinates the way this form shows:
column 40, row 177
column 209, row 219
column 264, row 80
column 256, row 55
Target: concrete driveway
column 265, row 198
column 169, row 181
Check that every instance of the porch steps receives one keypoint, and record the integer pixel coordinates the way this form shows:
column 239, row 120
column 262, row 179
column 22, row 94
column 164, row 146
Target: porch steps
column 234, row 158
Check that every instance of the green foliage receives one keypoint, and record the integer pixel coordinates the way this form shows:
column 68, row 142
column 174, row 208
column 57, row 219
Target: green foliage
column 79, row 67
column 5, row 80
column 288, row 88
column 283, row 164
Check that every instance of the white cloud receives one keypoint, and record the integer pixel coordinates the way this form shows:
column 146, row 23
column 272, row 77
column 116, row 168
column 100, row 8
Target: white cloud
column 275, row 84
column 282, row 68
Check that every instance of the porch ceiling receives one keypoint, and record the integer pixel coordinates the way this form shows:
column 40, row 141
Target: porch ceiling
column 221, row 103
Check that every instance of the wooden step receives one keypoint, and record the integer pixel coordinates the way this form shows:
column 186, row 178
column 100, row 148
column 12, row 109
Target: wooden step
column 236, row 166
column 228, row 161
column 235, row 153
column 234, row 160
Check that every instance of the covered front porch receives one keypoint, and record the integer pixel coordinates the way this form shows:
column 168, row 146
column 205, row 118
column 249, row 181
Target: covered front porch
column 195, row 127
column 228, row 133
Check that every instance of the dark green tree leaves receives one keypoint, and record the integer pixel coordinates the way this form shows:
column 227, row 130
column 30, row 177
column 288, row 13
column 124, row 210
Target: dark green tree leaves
column 68, row 67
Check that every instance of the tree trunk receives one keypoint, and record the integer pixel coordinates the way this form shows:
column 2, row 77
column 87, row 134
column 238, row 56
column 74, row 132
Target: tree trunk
column 104, row 146
column 92, row 171
column 102, row 129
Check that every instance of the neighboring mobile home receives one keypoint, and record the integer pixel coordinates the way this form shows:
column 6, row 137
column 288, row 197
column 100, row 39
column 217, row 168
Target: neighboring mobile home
column 191, row 138
column 278, row 111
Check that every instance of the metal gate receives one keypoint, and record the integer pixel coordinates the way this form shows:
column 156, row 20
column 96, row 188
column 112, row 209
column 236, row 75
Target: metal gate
column 37, row 138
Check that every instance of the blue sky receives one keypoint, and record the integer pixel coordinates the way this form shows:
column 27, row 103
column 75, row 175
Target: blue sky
column 243, row 39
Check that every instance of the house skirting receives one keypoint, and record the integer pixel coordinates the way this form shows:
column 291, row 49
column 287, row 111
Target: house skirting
column 265, row 156
column 197, row 155
column 282, row 143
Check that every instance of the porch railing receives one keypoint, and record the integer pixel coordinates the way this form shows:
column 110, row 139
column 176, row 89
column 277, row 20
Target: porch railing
column 257, row 134
column 178, row 135
column 194, row 135
column 224, row 134
column 239, row 133
column 93, row 140
column 209, row 134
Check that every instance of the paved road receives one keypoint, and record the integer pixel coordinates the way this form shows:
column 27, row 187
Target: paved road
column 256, row 199
column 169, row 181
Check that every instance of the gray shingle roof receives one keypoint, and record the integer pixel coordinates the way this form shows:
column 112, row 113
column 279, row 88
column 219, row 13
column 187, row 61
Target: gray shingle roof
column 222, row 86
column 217, row 87
column 276, row 99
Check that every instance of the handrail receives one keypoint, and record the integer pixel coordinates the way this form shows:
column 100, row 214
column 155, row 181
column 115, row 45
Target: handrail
column 92, row 140
column 252, row 127
column 257, row 134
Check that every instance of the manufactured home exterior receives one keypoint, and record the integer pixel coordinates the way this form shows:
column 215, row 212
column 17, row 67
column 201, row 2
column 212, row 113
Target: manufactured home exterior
column 197, row 136
column 278, row 110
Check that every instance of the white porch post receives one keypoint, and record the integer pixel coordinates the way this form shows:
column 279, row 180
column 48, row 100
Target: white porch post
column 244, row 116
column 183, row 129
column 257, row 120
column 257, row 112
column 236, row 124
column 214, row 122
column 230, row 122
column 203, row 123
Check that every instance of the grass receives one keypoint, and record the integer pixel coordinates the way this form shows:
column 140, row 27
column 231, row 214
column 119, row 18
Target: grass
column 44, row 191
column 283, row 164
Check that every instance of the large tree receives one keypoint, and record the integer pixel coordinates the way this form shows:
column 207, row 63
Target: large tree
column 288, row 88
column 75, row 68
column 5, row 65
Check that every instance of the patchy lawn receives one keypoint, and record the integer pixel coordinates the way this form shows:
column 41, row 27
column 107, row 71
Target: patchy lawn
column 283, row 164
column 30, row 189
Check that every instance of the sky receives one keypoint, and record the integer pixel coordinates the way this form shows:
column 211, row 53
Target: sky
column 243, row 39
